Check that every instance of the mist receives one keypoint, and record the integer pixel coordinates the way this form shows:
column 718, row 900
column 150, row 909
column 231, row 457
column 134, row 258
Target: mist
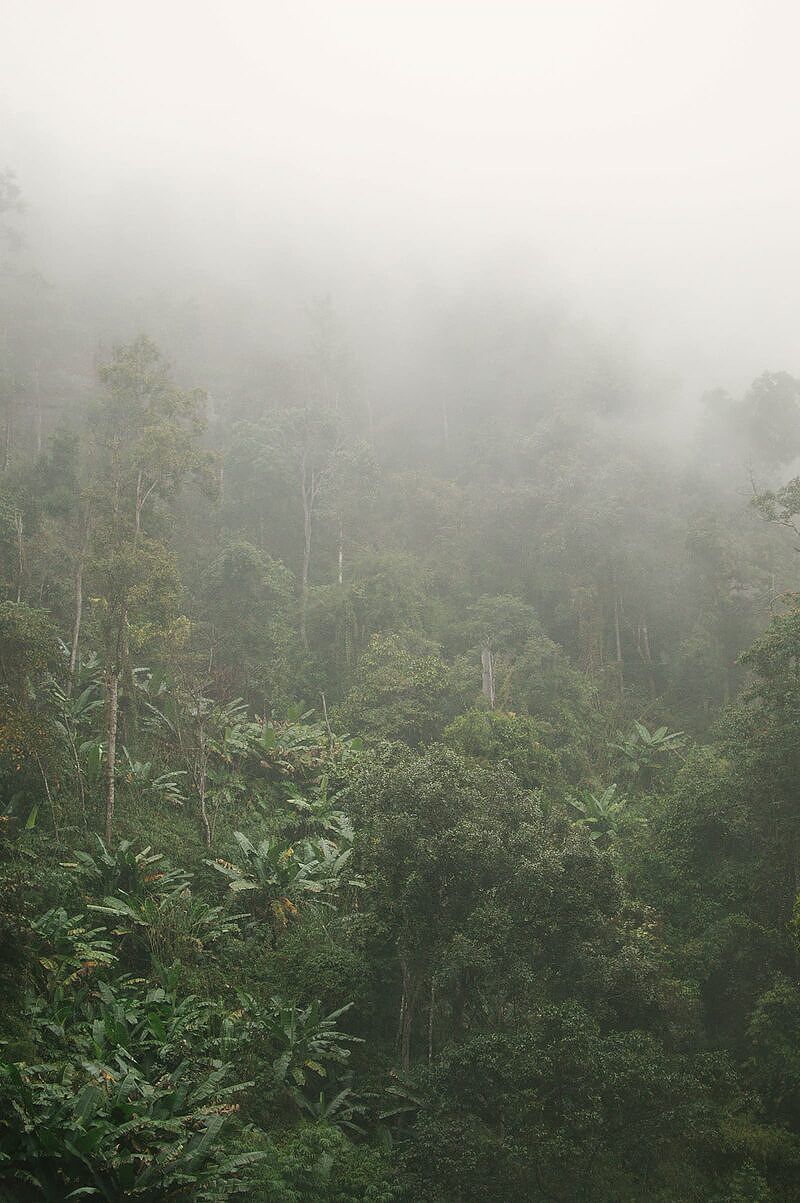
column 629, row 164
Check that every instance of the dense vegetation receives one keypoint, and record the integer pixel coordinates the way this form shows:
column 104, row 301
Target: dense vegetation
column 399, row 805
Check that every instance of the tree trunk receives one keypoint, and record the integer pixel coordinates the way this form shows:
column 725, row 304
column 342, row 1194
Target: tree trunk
column 111, row 757
column 203, row 811
column 487, row 685
column 76, row 628
column 19, row 528
column 408, row 1007
column 341, row 551
column 308, row 515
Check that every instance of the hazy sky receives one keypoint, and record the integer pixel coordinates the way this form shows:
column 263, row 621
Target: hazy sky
column 640, row 157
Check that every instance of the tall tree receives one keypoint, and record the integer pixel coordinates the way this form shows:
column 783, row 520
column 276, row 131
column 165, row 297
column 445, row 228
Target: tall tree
column 146, row 442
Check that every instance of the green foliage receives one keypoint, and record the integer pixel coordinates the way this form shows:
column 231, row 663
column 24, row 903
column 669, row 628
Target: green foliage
column 644, row 752
column 398, row 693
column 127, row 870
column 601, row 814
column 428, row 973
column 28, row 652
column 291, row 1050
column 70, row 950
column 278, row 880
column 536, row 1110
column 121, row 1110
column 516, row 741
column 170, row 926
column 246, row 599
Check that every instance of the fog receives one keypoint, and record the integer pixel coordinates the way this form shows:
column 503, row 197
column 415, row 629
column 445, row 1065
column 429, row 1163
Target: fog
column 631, row 165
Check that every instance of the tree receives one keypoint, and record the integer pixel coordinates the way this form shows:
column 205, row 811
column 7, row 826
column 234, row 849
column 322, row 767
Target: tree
column 398, row 692
column 295, row 449
column 146, row 442
column 246, row 601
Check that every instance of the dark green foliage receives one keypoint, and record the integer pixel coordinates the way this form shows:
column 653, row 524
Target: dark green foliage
column 112, row 1105
column 452, row 845
column 399, row 691
column 495, row 737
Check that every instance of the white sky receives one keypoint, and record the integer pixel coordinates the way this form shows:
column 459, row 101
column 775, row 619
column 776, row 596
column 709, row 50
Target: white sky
column 641, row 155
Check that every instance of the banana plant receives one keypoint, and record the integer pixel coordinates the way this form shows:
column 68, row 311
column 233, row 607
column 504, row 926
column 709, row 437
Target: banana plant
column 320, row 814
column 280, row 879
column 600, row 814
column 644, row 751
column 339, row 1107
column 70, row 950
column 168, row 926
column 162, row 787
column 76, row 713
column 126, row 870
column 291, row 1047
column 136, row 1106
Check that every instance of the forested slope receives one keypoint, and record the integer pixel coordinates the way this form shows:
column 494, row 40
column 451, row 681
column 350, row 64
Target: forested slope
column 399, row 795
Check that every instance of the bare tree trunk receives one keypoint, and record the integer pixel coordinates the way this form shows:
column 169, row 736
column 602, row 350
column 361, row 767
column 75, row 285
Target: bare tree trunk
column 308, row 517
column 49, row 794
column 325, row 716
column 408, row 1006
column 341, row 551
column 142, row 496
column 203, row 812
column 76, row 626
column 487, row 685
column 78, row 771
column 111, row 757
column 9, row 439
column 19, row 528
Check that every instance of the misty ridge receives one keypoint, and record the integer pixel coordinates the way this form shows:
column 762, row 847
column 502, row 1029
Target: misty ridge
column 399, row 602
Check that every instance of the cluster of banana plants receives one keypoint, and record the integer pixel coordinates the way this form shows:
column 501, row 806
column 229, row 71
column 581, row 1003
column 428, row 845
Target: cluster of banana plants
column 125, row 868
column 604, row 815
column 232, row 761
column 118, row 1087
column 296, row 1056
column 279, row 879
column 184, row 747
column 122, row 1095
column 320, row 813
column 79, row 706
column 149, row 907
column 643, row 752
column 68, row 948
